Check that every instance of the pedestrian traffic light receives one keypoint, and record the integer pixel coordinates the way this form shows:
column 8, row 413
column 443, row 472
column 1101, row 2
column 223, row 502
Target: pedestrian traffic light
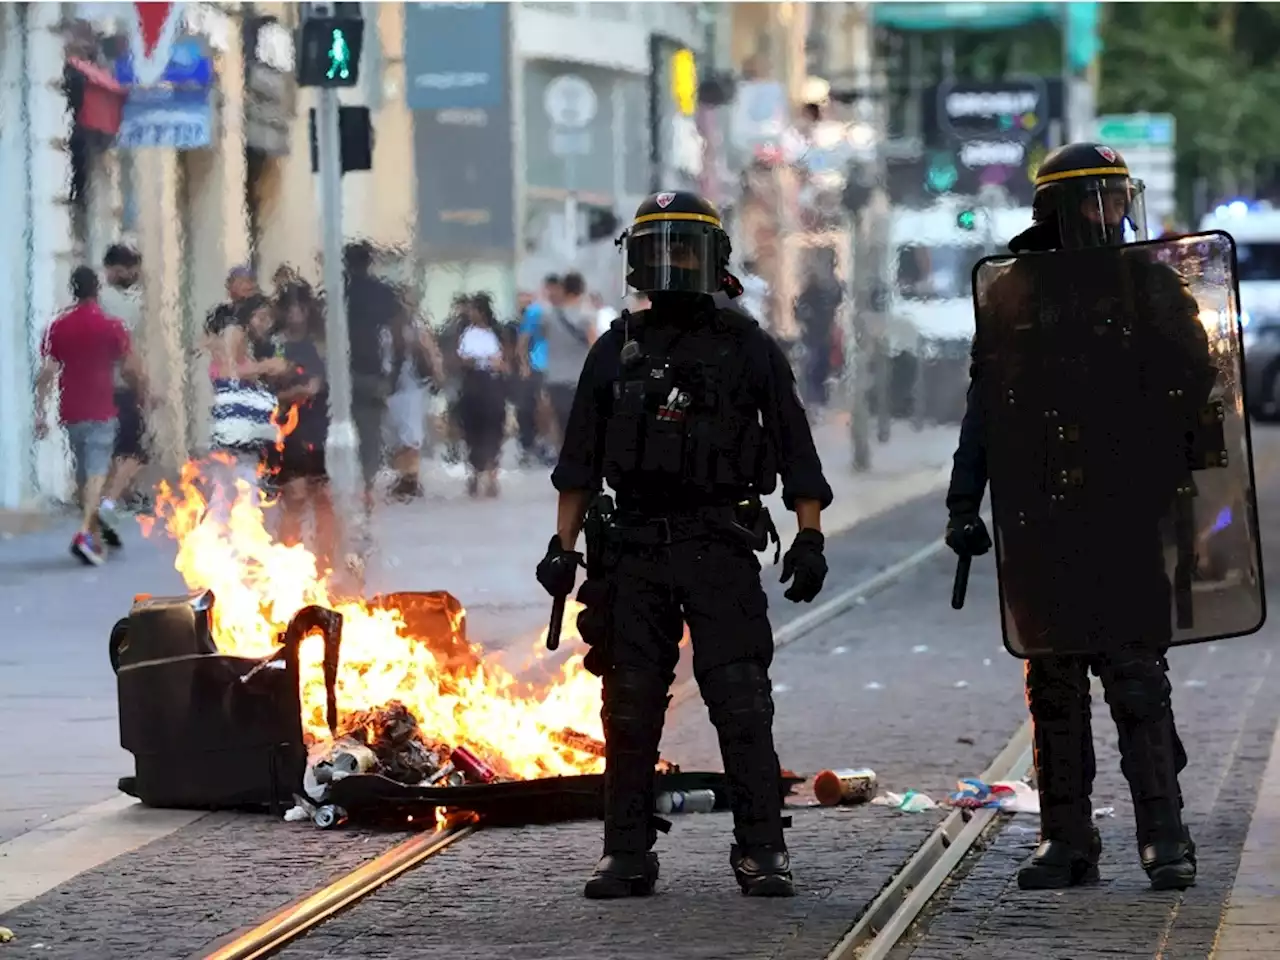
column 329, row 54
column 966, row 220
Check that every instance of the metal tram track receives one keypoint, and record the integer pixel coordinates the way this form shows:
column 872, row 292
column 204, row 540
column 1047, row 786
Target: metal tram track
column 298, row 918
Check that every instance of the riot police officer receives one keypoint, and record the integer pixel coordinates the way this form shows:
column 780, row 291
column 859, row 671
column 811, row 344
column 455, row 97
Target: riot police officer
column 689, row 411
column 1089, row 365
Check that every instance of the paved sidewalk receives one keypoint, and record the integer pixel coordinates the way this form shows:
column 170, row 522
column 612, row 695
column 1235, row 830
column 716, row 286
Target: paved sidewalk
column 1251, row 926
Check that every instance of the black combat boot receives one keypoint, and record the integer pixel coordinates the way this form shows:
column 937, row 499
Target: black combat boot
column 620, row 875
column 635, row 705
column 1165, row 846
column 1070, row 847
column 739, row 699
column 1151, row 757
column 1062, row 738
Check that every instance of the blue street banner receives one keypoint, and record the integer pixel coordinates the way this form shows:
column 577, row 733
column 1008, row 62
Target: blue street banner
column 455, row 55
column 458, row 87
column 166, row 117
column 188, row 65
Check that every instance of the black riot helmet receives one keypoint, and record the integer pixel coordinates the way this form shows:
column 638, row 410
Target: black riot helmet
column 677, row 244
column 1085, row 189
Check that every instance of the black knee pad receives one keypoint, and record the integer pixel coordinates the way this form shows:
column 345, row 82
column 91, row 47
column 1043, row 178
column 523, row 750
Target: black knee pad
column 738, row 695
column 1057, row 689
column 1138, row 690
column 634, row 706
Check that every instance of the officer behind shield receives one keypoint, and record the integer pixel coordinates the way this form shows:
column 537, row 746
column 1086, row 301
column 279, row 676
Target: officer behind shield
column 688, row 411
column 1098, row 558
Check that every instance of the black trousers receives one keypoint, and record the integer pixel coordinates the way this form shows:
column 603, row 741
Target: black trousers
column 527, row 393
column 1137, row 689
column 714, row 587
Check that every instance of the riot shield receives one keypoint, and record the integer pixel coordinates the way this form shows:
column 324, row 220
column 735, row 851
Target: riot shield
column 1121, row 472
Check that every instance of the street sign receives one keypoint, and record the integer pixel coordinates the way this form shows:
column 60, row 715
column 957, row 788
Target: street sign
column 570, row 143
column 1146, row 140
column 1136, row 130
column 570, row 101
column 154, row 28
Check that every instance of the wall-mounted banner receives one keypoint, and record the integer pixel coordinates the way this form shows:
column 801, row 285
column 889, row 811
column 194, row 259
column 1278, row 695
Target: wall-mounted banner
column 455, row 55
column 457, row 86
column 166, row 117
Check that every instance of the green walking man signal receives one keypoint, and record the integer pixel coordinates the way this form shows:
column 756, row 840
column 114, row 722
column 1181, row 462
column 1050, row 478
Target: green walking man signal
column 329, row 52
column 339, row 57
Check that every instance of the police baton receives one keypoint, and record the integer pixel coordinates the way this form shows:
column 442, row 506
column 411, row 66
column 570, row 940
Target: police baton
column 960, row 585
column 557, row 622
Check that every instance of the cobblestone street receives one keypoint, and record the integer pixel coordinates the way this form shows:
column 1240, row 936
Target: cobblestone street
column 899, row 682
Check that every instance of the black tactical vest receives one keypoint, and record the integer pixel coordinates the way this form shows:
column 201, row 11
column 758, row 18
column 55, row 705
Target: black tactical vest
column 683, row 419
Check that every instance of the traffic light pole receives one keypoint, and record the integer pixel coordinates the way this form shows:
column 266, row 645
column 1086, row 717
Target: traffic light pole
column 341, row 455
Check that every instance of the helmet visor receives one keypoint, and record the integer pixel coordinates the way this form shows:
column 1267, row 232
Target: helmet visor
column 1102, row 211
column 673, row 256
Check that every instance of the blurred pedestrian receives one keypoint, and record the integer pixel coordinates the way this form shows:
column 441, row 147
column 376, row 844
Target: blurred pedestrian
column 482, row 407
column 605, row 314
column 81, row 351
column 242, row 283
column 241, row 360
column 816, row 309
column 121, row 298
column 373, row 309
column 531, row 404
column 298, row 460
column 570, row 330
column 414, row 366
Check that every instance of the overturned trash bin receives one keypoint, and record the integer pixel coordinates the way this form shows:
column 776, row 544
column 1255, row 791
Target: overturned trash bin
column 209, row 731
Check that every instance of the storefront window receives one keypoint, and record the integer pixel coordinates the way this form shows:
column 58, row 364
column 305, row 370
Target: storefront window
column 610, row 11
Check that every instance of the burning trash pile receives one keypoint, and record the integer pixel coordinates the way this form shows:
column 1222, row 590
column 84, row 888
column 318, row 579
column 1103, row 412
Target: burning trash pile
column 415, row 703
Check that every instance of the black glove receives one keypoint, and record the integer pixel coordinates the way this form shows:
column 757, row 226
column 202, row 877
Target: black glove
column 967, row 535
column 558, row 570
column 806, row 563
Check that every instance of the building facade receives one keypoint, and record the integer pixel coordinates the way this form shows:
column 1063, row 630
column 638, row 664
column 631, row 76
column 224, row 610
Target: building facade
column 487, row 193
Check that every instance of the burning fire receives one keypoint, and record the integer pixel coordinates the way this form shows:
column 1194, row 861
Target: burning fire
column 259, row 584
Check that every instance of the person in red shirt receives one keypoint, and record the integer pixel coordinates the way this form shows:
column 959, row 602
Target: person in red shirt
column 81, row 351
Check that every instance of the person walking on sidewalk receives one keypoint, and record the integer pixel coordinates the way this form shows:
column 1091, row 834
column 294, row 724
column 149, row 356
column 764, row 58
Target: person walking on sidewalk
column 121, row 298
column 81, row 351
column 569, row 329
column 688, row 411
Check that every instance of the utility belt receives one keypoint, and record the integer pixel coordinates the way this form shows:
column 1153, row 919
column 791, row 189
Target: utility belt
column 747, row 522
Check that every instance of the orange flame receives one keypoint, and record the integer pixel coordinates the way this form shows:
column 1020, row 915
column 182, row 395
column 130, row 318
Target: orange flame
column 259, row 584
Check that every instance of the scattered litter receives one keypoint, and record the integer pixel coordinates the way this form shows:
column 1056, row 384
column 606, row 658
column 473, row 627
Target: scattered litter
column 780, row 688
column 986, row 661
column 920, row 648
column 873, row 685
column 6, row 935
column 1009, row 796
column 1103, row 812
column 1016, row 828
column 861, row 601
column 961, row 684
column 1195, row 683
column 967, row 741
column 909, row 802
column 844, row 787
column 685, row 801
column 835, row 650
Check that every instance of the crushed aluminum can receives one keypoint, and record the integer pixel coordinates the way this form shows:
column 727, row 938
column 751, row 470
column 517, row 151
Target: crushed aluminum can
column 835, row 788
column 330, row 816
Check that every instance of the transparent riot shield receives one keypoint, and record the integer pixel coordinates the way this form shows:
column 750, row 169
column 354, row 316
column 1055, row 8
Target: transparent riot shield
column 1121, row 472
